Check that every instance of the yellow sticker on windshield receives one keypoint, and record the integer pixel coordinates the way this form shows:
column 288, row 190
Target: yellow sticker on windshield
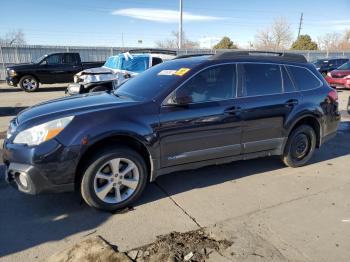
column 182, row 71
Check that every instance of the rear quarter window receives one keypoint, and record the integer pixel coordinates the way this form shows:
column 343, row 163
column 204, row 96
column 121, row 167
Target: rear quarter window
column 303, row 78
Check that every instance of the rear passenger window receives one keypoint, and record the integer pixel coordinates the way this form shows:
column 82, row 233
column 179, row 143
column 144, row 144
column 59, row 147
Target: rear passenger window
column 303, row 78
column 261, row 79
column 287, row 82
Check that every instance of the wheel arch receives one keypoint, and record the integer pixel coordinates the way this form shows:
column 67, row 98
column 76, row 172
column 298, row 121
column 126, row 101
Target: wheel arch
column 30, row 74
column 114, row 141
column 312, row 121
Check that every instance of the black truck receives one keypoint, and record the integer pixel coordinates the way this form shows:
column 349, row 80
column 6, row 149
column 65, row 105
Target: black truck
column 48, row 69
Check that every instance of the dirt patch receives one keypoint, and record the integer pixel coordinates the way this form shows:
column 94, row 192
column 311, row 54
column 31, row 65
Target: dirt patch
column 93, row 249
column 2, row 134
column 189, row 246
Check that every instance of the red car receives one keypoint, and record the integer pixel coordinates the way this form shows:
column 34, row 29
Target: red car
column 340, row 77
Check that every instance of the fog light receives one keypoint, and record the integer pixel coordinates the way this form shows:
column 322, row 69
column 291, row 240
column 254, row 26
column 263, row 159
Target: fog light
column 23, row 180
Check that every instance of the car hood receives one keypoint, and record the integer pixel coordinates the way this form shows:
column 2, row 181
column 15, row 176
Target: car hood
column 20, row 66
column 96, row 70
column 73, row 105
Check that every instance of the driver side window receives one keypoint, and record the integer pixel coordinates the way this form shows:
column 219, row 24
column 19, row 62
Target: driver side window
column 54, row 59
column 212, row 84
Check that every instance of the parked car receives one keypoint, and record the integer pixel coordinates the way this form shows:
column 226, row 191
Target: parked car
column 326, row 65
column 340, row 77
column 117, row 69
column 182, row 114
column 47, row 69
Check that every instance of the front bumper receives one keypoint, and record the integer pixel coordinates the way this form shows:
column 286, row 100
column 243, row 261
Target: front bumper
column 12, row 81
column 338, row 82
column 49, row 167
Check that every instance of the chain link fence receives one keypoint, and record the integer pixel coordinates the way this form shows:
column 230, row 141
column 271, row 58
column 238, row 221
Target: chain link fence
column 10, row 55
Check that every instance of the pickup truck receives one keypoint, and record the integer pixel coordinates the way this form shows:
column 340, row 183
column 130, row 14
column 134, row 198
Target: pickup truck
column 48, row 69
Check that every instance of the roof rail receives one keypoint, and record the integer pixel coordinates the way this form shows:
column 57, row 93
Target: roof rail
column 192, row 55
column 280, row 56
column 153, row 50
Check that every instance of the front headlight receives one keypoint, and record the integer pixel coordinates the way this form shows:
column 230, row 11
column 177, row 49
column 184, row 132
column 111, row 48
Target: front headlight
column 36, row 135
column 11, row 72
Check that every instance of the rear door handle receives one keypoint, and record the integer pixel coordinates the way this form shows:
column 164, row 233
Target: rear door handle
column 233, row 110
column 292, row 102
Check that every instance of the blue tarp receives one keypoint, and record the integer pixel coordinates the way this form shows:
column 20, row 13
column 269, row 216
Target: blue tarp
column 137, row 64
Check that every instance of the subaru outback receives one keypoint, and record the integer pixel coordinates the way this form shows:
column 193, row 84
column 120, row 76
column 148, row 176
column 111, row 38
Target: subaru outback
column 179, row 115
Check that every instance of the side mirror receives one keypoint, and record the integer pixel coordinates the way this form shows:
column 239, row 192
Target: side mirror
column 176, row 100
column 43, row 63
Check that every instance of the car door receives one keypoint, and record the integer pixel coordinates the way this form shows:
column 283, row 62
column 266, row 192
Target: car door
column 267, row 97
column 70, row 66
column 208, row 126
column 50, row 69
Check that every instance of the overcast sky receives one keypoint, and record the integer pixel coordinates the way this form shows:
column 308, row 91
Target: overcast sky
column 114, row 22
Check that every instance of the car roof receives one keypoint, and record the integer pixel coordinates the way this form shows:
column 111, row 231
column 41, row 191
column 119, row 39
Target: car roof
column 240, row 56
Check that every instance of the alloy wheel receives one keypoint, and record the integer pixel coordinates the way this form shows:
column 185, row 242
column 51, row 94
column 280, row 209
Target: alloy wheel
column 116, row 180
column 29, row 84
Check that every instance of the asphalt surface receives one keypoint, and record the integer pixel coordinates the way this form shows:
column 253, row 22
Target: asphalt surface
column 303, row 214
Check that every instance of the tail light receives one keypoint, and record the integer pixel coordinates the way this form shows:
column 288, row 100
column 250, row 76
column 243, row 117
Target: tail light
column 329, row 74
column 333, row 95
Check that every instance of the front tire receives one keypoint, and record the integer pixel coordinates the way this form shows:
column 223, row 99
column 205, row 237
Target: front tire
column 300, row 146
column 114, row 179
column 29, row 83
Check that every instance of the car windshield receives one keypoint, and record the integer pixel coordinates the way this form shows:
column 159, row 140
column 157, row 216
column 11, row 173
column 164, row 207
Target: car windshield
column 134, row 63
column 155, row 80
column 38, row 60
column 345, row 66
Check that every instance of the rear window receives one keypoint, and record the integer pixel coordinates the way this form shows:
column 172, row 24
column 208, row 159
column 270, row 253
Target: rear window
column 303, row 78
column 261, row 79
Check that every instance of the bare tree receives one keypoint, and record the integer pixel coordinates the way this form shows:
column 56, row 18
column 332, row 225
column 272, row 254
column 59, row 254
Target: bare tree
column 174, row 42
column 330, row 41
column 15, row 37
column 276, row 37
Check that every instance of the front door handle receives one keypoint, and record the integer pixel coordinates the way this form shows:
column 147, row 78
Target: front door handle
column 233, row 110
column 291, row 102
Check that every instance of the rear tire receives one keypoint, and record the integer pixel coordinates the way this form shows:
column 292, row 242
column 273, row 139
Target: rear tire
column 300, row 146
column 114, row 179
column 29, row 83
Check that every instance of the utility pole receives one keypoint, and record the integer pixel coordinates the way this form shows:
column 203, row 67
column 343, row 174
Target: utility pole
column 300, row 24
column 180, row 26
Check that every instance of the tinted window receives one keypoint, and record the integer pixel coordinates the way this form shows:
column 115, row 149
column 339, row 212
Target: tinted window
column 54, row 59
column 303, row 78
column 69, row 59
column 261, row 79
column 287, row 82
column 214, row 83
column 156, row 61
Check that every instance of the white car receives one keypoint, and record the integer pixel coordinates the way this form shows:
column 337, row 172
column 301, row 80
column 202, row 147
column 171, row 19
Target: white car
column 118, row 69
